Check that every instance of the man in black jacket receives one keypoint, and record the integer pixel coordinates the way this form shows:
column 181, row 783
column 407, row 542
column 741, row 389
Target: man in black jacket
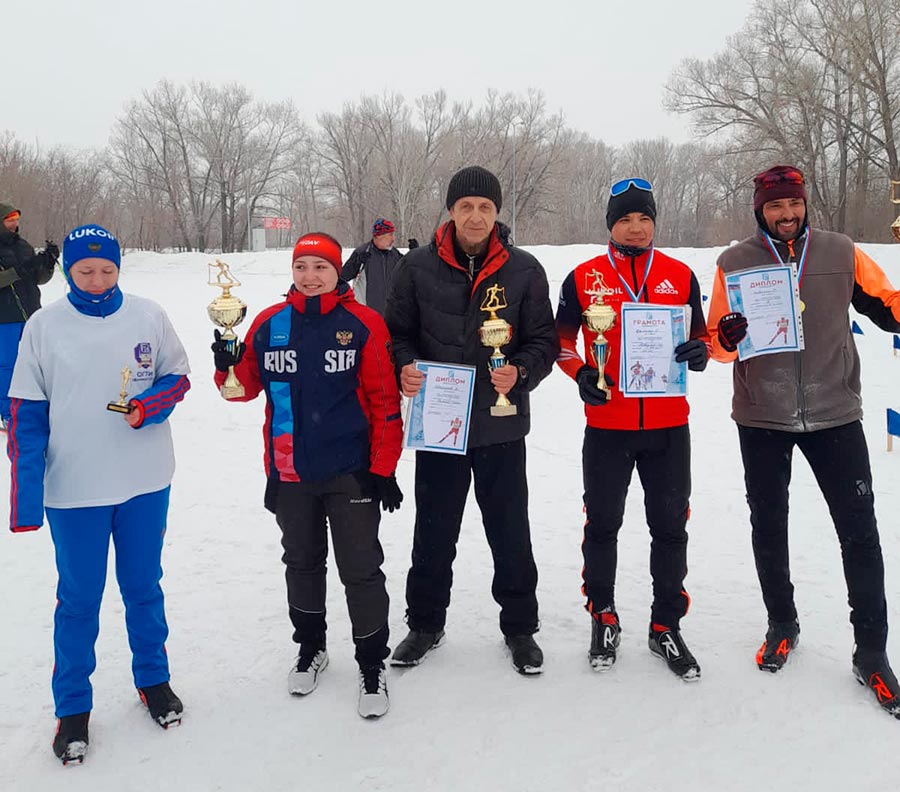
column 434, row 313
column 21, row 271
column 372, row 266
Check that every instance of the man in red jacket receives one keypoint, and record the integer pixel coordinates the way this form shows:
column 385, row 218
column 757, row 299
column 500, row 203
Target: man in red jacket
column 623, row 433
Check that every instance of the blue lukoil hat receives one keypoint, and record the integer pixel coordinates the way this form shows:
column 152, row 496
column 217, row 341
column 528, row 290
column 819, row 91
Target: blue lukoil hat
column 90, row 241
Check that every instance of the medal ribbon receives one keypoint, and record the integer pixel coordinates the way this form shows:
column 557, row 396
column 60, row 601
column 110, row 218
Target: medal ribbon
column 801, row 265
column 635, row 297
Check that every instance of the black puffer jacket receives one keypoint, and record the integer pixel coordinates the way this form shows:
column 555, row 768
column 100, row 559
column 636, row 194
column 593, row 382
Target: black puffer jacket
column 21, row 271
column 372, row 271
column 433, row 313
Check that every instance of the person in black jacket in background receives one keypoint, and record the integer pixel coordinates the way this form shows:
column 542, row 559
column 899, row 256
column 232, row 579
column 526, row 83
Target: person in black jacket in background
column 21, row 272
column 372, row 266
column 434, row 313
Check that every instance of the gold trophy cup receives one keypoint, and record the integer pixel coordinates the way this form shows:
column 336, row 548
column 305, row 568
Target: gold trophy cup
column 598, row 317
column 122, row 405
column 496, row 332
column 895, row 226
column 227, row 311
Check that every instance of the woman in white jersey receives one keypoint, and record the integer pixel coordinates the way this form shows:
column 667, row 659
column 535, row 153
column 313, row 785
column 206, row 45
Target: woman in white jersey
column 98, row 473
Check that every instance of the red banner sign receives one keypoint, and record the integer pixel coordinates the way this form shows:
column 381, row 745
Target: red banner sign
column 279, row 223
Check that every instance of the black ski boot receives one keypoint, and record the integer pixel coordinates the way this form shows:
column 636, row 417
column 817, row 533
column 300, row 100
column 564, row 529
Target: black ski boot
column 71, row 739
column 605, row 636
column 527, row 656
column 872, row 669
column 165, row 707
column 670, row 646
column 412, row 649
column 781, row 639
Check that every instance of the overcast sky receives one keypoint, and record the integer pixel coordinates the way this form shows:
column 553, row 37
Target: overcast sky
column 70, row 66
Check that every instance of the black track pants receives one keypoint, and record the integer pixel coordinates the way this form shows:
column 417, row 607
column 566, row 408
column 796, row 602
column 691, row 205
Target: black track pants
column 839, row 460
column 352, row 510
column 501, row 489
column 663, row 461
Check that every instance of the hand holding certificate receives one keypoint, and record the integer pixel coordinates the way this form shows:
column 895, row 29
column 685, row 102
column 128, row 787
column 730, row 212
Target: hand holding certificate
column 650, row 334
column 438, row 416
column 770, row 299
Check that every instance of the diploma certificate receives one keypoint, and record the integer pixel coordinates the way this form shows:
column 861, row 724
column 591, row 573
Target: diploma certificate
column 438, row 416
column 770, row 299
column 650, row 333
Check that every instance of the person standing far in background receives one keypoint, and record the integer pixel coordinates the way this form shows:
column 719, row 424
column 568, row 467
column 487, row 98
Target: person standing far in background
column 371, row 266
column 21, row 272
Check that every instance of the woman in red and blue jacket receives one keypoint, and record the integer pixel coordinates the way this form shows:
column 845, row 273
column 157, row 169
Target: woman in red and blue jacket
column 333, row 436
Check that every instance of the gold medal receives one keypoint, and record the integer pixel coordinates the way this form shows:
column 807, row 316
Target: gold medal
column 802, row 306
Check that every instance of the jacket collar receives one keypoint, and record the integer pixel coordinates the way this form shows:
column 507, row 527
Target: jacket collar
column 497, row 251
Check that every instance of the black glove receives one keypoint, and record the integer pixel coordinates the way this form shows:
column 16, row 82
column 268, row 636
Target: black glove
column 587, row 386
column 694, row 352
column 732, row 329
column 412, row 243
column 226, row 353
column 52, row 251
column 388, row 492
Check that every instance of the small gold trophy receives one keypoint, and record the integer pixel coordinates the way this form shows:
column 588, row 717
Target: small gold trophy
column 496, row 332
column 122, row 405
column 227, row 311
column 599, row 317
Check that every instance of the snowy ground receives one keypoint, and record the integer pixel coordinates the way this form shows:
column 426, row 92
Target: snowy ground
column 464, row 720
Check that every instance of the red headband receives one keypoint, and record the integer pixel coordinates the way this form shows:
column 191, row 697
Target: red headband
column 319, row 245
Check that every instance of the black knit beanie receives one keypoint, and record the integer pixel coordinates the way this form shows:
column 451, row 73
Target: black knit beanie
column 476, row 181
column 632, row 200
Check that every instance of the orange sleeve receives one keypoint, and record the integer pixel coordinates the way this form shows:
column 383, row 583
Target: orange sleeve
column 872, row 280
column 718, row 307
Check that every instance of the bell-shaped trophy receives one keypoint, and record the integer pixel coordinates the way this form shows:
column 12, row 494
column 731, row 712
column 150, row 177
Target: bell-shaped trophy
column 496, row 332
column 598, row 317
column 227, row 311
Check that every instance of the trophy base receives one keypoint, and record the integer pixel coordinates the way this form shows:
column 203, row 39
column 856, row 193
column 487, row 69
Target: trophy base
column 124, row 409
column 232, row 391
column 500, row 410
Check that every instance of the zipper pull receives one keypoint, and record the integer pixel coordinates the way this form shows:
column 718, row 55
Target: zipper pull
column 471, row 266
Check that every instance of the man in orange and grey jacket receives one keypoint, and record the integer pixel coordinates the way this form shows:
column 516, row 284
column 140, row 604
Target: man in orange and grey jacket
column 809, row 399
column 623, row 433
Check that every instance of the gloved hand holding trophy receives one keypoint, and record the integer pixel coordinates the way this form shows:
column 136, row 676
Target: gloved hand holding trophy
column 227, row 311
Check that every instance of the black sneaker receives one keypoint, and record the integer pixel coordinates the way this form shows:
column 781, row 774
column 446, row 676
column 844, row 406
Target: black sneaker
column 373, row 694
column 412, row 649
column 781, row 639
column 304, row 674
column 605, row 636
column 527, row 656
column 873, row 670
column 71, row 739
column 670, row 646
column 165, row 707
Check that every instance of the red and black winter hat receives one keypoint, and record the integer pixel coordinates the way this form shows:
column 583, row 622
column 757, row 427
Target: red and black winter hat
column 779, row 181
column 475, row 181
column 321, row 245
column 381, row 227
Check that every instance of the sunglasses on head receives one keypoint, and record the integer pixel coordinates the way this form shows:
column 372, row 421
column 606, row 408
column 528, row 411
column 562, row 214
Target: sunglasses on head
column 771, row 178
column 622, row 186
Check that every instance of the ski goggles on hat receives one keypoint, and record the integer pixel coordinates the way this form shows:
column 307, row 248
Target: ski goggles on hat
column 774, row 176
column 622, row 186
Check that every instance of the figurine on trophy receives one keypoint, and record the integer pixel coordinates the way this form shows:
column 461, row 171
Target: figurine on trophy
column 122, row 405
column 227, row 311
column 599, row 317
column 496, row 332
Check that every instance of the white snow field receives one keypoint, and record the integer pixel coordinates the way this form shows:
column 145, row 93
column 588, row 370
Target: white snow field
column 463, row 720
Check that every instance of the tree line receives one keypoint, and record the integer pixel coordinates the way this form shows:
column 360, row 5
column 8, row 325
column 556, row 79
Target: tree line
column 193, row 167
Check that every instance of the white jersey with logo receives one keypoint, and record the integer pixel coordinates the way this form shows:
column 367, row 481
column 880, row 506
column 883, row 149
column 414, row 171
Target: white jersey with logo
column 74, row 362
